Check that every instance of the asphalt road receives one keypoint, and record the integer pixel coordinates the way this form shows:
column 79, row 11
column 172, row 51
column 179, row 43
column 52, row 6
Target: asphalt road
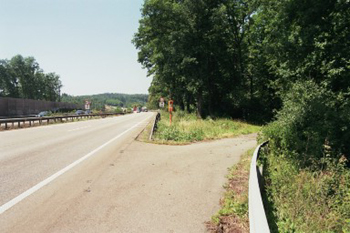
column 119, row 185
column 29, row 156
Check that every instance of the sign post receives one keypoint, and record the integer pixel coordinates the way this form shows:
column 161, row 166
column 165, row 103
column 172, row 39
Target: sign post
column 170, row 109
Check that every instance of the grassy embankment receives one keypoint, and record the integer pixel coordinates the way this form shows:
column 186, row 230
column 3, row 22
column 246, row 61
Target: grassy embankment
column 306, row 200
column 187, row 128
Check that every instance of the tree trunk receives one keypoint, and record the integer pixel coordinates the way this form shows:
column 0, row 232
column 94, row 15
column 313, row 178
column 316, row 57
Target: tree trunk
column 182, row 104
column 200, row 105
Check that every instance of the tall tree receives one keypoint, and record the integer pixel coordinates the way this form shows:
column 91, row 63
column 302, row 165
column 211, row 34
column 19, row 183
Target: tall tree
column 195, row 50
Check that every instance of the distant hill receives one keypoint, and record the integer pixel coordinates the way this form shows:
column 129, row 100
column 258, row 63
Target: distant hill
column 99, row 101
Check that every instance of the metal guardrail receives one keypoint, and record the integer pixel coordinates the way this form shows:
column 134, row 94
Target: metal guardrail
column 257, row 216
column 31, row 120
column 154, row 127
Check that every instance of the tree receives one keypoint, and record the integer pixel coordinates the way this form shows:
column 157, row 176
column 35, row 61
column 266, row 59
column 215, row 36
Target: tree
column 195, row 51
column 23, row 78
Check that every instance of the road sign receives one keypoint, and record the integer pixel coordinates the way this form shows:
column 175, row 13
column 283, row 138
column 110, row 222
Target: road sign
column 87, row 104
column 161, row 102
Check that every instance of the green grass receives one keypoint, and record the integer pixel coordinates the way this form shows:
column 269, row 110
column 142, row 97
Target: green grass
column 186, row 128
column 302, row 200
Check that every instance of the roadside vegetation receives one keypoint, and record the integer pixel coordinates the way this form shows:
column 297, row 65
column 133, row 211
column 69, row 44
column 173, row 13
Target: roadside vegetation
column 187, row 128
column 233, row 215
column 307, row 170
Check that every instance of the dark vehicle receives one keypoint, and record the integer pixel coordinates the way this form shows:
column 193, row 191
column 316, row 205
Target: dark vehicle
column 79, row 112
column 43, row 113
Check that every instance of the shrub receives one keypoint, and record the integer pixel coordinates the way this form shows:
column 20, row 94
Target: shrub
column 313, row 122
column 307, row 180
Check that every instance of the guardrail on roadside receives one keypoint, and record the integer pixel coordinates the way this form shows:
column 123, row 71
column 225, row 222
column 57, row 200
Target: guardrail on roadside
column 257, row 216
column 31, row 120
column 154, row 127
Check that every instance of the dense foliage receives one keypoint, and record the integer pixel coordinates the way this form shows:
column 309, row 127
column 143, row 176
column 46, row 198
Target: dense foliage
column 23, row 78
column 99, row 101
column 238, row 57
column 307, row 174
column 198, row 54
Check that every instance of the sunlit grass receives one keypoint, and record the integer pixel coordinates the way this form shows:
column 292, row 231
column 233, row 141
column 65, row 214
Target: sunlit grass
column 187, row 128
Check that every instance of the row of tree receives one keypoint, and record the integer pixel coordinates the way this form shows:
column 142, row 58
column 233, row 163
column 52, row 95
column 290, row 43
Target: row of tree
column 240, row 57
column 22, row 77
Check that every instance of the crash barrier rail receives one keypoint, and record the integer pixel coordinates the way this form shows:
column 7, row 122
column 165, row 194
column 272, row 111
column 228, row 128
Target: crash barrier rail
column 257, row 216
column 31, row 120
column 154, row 127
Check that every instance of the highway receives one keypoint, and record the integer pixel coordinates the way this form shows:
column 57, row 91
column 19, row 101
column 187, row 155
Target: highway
column 29, row 156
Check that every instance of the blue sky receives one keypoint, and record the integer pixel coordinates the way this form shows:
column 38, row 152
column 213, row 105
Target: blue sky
column 86, row 42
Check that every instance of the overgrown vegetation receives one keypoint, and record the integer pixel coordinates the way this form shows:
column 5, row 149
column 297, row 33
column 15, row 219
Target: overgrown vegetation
column 308, row 181
column 233, row 215
column 188, row 128
column 307, row 200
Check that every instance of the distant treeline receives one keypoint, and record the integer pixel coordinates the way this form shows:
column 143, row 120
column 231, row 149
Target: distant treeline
column 22, row 77
column 114, row 99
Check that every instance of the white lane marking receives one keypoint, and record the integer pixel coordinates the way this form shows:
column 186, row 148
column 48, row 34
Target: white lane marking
column 88, row 126
column 38, row 186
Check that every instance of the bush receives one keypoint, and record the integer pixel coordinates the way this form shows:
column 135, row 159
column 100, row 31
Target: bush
column 313, row 122
column 307, row 180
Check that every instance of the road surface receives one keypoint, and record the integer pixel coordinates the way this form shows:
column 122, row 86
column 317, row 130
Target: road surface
column 92, row 176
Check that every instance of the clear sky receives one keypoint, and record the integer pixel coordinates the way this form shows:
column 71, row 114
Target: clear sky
column 86, row 42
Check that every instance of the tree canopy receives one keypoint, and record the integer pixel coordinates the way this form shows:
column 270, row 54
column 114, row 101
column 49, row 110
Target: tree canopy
column 239, row 57
column 22, row 77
